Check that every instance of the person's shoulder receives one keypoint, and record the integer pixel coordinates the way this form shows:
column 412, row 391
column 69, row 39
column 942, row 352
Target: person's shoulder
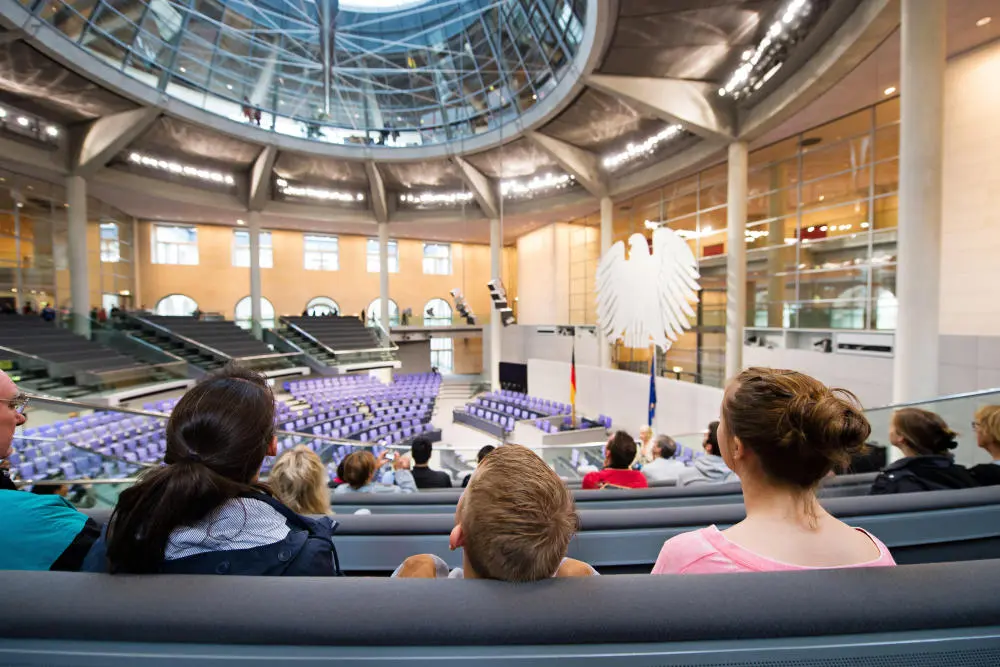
column 683, row 553
column 49, row 505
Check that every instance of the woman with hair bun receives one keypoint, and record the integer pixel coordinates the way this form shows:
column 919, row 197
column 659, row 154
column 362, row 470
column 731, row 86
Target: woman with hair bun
column 927, row 464
column 782, row 432
column 205, row 512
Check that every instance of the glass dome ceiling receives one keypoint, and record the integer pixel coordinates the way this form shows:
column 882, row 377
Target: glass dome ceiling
column 393, row 73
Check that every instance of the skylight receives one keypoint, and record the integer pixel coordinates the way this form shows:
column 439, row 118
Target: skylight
column 379, row 5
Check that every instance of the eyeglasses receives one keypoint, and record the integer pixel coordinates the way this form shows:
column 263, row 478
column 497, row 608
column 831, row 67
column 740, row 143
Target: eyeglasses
column 975, row 426
column 18, row 404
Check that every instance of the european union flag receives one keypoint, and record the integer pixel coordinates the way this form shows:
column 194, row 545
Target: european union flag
column 652, row 389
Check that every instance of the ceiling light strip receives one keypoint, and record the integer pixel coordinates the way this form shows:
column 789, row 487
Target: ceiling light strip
column 186, row 170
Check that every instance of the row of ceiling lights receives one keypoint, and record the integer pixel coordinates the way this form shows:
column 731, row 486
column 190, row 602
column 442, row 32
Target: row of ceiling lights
column 179, row 169
column 642, row 149
column 759, row 63
column 51, row 131
column 443, row 198
column 319, row 194
column 548, row 182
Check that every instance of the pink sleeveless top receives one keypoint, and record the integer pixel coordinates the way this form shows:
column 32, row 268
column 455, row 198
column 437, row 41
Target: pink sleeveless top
column 708, row 551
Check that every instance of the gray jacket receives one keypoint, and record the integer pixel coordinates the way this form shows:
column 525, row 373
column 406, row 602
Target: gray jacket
column 709, row 469
column 404, row 484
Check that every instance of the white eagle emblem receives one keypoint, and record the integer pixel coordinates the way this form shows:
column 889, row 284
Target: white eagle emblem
column 647, row 298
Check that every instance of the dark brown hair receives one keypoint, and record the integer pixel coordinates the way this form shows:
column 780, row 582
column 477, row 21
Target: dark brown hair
column 712, row 438
column 358, row 468
column 217, row 438
column 797, row 427
column 622, row 449
column 924, row 432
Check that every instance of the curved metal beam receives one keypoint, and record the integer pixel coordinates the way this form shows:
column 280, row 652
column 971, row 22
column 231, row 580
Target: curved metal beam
column 583, row 164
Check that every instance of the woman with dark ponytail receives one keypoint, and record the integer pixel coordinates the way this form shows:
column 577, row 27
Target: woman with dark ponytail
column 204, row 512
column 927, row 464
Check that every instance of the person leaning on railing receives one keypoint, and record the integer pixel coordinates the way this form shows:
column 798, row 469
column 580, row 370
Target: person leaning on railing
column 40, row 532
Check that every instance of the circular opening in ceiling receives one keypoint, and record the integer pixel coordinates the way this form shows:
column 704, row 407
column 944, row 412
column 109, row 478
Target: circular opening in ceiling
column 379, row 5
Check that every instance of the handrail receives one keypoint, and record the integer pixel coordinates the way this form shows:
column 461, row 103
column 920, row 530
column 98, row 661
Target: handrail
column 268, row 356
column 299, row 330
column 111, row 457
column 950, row 397
column 187, row 340
column 387, row 336
column 22, row 354
column 78, row 480
column 43, row 398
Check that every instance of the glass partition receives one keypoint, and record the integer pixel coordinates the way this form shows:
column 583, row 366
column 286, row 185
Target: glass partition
column 958, row 411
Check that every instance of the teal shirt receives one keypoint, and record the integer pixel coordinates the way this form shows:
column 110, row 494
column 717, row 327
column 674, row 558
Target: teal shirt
column 36, row 529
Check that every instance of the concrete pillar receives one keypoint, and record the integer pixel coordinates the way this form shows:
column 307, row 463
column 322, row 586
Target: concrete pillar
column 736, row 262
column 79, row 273
column 136, row 278
column 253, row 227
column 607, row 220
column 496, row 326
column 922, row 58
column 383, row 274
column 18, row 258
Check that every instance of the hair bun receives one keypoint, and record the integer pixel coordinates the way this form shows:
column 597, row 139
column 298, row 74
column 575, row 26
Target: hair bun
column 827, row 424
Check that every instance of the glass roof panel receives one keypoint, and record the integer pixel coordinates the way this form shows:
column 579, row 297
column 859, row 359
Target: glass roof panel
column 393, row 73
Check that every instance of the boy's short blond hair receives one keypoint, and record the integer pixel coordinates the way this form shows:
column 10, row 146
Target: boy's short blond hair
column 517, row 517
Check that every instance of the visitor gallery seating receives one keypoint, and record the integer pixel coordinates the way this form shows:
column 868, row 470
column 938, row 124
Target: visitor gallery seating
column 936, row 614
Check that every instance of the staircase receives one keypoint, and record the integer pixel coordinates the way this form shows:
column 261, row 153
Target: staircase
column 457, row 391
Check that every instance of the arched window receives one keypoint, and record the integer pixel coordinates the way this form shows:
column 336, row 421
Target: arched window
column 244, row 313
column 175, row 304
column 374, row 312
column 322, row 305
column 437, row 313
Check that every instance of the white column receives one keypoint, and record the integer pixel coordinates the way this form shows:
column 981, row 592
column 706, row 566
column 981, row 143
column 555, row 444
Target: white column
column 607, row 217
column 253, row 227
column 18, row 258
column 136, row 279
column 383, row 274
column 79, row 273
column 496, row 326
column 915, row 371
column 736, row 262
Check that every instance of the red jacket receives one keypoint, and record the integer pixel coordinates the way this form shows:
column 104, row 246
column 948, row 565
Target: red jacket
column 631, row 479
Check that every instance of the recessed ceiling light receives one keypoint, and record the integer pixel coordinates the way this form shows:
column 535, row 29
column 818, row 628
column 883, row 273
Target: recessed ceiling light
column 984, row 21
column 240, row 222
column 229, row 86
column 183, row 69
column 890, row 90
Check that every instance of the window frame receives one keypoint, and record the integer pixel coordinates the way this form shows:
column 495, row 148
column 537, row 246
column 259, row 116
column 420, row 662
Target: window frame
column 161, row 249
column 436, row 262
column 322, row 255
column 239, row 250
column 373, row 261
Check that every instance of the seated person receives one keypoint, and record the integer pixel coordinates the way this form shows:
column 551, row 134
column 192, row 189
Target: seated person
column 486, row 449
column 710, row 468
column 927, row 464
column 204, row 512
column 782, row 432
column 40, row 531
column 299, row 479
column 360, row 468
column 987, row 426
column 513, row 523
column 619, row 454
column 645, row 445
column 664, row 467
column 424, row 477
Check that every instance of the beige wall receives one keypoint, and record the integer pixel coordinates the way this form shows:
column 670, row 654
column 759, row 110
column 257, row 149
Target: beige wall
column 543, row 264
column 217, row 286
column 970, row 238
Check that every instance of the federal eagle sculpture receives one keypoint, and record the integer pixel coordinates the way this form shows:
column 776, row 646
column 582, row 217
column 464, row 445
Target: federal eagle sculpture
column 647, row 298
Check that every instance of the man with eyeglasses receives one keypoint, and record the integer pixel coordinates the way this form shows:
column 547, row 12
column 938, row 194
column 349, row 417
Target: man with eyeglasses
column 40, row 532
column 12, row 405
